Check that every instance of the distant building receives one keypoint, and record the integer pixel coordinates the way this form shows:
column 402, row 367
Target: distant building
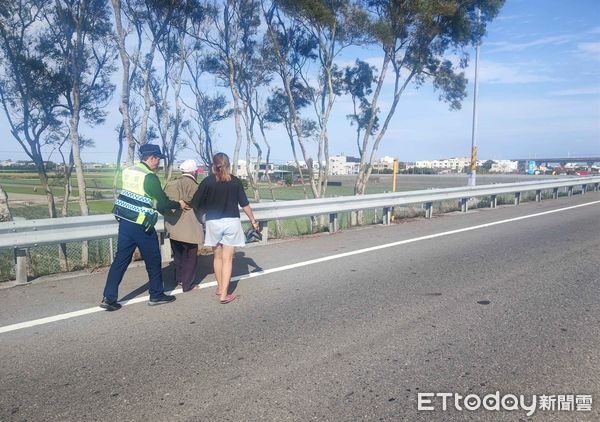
column 242, row 170
column 504, row 166
column 385, row 163
column 452, row 164
column 303, row 165
column 343, row 165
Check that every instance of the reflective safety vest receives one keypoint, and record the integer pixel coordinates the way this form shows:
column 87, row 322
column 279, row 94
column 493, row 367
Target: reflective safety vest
column 133, row 204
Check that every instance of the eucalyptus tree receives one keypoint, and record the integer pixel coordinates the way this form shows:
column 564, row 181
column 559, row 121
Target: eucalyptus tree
column 222, row 41
column 79, row 44
column 28, row 87
column 416, row 38
column 254, row 64
column 358, row 83
column 124, row 15
column 293, row 49
column 329, row 26
column 206, row 110
column 278, row 111
column 165, row 84
column 149, row 21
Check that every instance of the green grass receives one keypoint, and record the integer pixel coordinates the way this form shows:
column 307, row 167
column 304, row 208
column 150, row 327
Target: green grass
column 41, row 211
column 286, row 193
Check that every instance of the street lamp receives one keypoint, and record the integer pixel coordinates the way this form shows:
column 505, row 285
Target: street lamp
column 473, row 174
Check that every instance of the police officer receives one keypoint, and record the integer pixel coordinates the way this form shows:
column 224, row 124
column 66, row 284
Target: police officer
column 137, row 215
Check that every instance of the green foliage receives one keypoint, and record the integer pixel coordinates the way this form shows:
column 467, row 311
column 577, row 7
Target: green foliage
column 419, row 170
column 416, row 35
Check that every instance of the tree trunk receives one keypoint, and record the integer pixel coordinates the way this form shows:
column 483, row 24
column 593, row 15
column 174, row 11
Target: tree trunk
column 67, row 171
column 43, row 176
column 236, row 117
column 147, row 98
column 250, row 140
column 118, row 163
column 83, row 205
column 5, row 214
column 125, row 86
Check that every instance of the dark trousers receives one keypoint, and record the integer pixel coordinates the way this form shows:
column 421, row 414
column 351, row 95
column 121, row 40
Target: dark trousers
column 130, row 236
column 185, row 256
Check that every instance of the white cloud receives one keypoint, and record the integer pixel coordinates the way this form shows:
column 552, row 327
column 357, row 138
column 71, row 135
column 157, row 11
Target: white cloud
column 589, row 48
column 594, row 90
column 500, row 46
column 516, row 73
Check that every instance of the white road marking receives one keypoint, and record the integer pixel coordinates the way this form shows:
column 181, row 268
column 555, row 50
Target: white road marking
column 74, row 314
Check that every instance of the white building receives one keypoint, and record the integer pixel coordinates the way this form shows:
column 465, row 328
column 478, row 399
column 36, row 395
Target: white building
column 242, row 171
column 453, row 164
column 504, row 166
column 302, row 164
column 342, row 165
column 385, row 163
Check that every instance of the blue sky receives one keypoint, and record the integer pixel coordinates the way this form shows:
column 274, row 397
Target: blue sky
column 539, row 95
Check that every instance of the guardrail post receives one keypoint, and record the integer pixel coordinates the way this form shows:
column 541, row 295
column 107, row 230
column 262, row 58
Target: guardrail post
column 263, row 226
column 538, row 195
column 21, row 266
column 333, row 223
column 555, row 193
column 428, row 209
column 494, row 201
column 517, row 198
column 570, row 191
column 596, row 187
column 165, row 247
column 464, row 204
column 583, row 189
column 387, row 216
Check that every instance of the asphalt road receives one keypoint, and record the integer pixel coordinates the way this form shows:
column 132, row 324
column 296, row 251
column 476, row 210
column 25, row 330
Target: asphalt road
column 512, row 307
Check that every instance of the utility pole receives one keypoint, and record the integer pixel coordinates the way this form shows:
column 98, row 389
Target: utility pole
column 394, row 174
column 473, row 174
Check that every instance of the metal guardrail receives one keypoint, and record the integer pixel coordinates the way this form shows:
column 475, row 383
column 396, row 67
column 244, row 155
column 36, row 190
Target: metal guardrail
column 19, row 235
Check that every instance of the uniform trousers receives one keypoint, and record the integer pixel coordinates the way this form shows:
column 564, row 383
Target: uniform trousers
column 132, row 235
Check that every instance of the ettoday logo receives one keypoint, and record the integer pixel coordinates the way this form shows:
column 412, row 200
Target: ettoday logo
column 507, row 402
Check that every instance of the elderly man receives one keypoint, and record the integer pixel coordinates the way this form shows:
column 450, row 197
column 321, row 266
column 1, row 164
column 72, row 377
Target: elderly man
column 137, row 214
column 184, row 227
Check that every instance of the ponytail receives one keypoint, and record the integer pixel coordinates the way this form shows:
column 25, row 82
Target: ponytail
column 221, row 167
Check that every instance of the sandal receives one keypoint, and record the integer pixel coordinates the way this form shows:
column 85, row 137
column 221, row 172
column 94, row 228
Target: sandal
column 227, row 299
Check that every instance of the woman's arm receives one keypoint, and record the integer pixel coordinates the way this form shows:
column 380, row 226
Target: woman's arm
column 248, row 212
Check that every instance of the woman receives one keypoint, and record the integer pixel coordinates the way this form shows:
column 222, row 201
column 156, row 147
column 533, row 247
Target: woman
column 184, row 227
column 221, row 195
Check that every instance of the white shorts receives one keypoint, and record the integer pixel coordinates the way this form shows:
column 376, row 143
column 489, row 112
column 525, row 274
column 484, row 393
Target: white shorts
column 227, row 231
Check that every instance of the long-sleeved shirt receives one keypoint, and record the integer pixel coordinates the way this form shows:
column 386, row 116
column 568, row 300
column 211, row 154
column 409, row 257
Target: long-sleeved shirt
column 220, row 199
column 154, row 189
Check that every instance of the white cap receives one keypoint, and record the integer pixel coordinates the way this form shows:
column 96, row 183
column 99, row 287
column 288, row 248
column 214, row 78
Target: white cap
column 188, row 166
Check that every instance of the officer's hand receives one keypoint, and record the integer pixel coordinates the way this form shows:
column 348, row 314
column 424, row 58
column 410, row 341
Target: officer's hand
column 184, row 205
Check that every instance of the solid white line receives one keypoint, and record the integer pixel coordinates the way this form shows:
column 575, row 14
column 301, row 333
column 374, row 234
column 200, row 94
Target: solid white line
column 74, row 314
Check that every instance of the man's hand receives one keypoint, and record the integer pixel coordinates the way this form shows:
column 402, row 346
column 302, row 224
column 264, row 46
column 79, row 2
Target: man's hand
column 184, row 205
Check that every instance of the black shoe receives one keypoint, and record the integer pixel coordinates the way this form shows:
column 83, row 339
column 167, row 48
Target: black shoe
column 110, row 305
column 159, row 300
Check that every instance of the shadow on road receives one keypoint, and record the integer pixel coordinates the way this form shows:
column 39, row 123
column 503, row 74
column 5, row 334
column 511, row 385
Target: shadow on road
column 242, row 265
